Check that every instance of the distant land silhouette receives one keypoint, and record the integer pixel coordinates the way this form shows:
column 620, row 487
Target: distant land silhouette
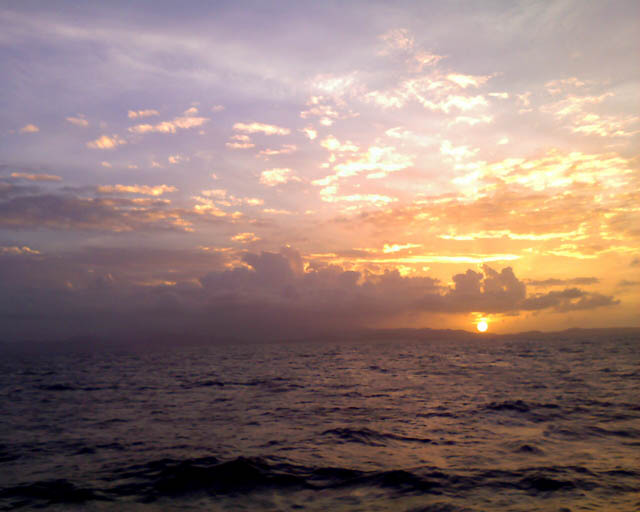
column 168, row 340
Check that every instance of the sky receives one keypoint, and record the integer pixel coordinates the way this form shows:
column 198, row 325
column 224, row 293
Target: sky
column 263, row 169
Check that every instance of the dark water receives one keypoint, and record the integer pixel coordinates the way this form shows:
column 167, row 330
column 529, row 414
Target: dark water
column 519, row 426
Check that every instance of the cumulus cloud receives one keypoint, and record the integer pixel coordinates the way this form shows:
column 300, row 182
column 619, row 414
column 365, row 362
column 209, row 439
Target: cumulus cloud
column 248, row 294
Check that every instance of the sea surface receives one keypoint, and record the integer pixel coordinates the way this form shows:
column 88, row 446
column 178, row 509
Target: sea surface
column 476, row 425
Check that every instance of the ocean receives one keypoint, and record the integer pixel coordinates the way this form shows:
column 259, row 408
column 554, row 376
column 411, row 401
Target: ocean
column 401, row 425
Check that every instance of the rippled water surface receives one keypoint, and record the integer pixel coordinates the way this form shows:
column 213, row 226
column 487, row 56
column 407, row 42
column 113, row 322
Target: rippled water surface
column 402, row 426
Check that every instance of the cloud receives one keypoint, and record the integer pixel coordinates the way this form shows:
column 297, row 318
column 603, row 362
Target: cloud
column 267, row 129
column 157, row 190
column 135, row 114
column 286, row 149
column 563, row 282
column 310, row 132
column 243, row 294
column 570, row 299
column 18, row 251
column 74, row 213
column 465, row 81
column 245, row 238
column 35, row 177
column 240, row 141
column 397, row 39
column 106, row 142
column 277, row 176
column 29, row 128
column 177, row 159
column 184, row 122
column 78, row 121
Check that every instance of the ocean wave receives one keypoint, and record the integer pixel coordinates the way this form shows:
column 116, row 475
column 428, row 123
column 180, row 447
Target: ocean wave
column 180, row 478
column 371, row 437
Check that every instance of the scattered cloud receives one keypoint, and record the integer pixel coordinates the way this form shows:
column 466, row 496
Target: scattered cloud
column 240, row 141
column 245, row 238
column 277, row 176
column 286, row 149
column 135, row 114
column 266, row 129
column 35, row 177
column 563, row 282
column 29, row 128
column 106, row 142
column 156, row 190
column 177, row 159
column 184, row 122
column 78, row 121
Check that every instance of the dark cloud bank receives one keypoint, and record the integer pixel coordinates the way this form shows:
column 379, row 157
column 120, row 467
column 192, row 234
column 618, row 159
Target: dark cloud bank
column 121, row 294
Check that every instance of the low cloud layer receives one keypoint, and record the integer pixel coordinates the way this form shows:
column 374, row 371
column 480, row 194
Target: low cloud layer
column 126, row 293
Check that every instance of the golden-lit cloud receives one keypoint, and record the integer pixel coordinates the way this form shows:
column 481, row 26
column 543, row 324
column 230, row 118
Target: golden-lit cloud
column 286, row 149
column 177, row 159
column 245, row 238
column 397, row 39
column 78, row 121
column 29, row 128
column 465, row 81
column 135, row 114
column 277, row 176
column 184, row 122
column 18, row 250
column 156, row 190
column 35, row 177
column 106, row 142
column 240, row 141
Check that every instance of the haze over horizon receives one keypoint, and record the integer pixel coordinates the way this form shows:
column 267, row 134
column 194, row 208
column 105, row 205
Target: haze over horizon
column 266, row 169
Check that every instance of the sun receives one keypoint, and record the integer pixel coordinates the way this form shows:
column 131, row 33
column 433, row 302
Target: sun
column 482, row 325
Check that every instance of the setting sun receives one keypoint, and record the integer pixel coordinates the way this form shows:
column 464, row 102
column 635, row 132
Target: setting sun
column 482, row 326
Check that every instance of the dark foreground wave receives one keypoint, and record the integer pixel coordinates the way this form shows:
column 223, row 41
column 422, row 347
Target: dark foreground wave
column 169, row 479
